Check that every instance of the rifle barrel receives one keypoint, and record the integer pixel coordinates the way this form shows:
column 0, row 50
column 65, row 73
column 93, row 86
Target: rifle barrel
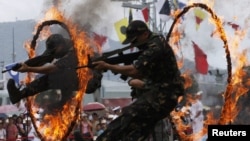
column 4, row 71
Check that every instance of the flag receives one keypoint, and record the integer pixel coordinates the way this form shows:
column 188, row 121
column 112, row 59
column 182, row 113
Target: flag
column 14, row 75
column 200, row 15
column 99, row 39
column 120, row 27
column 201, row 63
column 165, row 9
column 145, row 13
column 130, row 16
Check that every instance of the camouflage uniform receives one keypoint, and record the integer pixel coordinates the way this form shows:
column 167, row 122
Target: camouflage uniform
column 163, row 85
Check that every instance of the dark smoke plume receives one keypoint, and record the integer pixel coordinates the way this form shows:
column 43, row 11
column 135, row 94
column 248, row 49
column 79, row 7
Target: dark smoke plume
column 92, row 15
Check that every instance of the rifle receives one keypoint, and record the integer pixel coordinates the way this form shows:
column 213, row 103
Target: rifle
column 121, row 58
column 34, row 62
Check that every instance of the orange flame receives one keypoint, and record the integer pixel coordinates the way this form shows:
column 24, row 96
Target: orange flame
column 188, row 80
column 231, row 108
column 176, row 36
column 234, row 89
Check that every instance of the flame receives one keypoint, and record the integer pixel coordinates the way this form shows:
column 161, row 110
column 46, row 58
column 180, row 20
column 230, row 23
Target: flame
column 178, row 122
column 188, row 80
column 59, row 125
column 234, row 89
column 230, row 108
column 175, row 42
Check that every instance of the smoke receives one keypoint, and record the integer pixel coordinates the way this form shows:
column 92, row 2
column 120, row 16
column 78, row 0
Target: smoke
column 97, row 15
column 90, row 12
column 92, row 15
column 50, row 3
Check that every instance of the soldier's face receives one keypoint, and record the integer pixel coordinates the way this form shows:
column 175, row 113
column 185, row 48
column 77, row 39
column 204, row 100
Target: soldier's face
column 141, row 38
column 60, row 51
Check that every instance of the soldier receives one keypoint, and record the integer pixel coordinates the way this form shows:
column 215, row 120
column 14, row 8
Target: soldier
column 159, row 81
column 59, row 74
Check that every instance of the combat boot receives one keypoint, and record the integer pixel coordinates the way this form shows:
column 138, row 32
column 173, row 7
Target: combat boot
column 15, row 94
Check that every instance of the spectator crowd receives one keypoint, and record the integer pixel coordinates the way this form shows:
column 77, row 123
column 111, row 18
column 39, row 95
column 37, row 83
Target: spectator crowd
column 17, row 128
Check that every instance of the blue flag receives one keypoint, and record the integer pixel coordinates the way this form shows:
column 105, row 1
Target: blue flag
column 13, row 74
